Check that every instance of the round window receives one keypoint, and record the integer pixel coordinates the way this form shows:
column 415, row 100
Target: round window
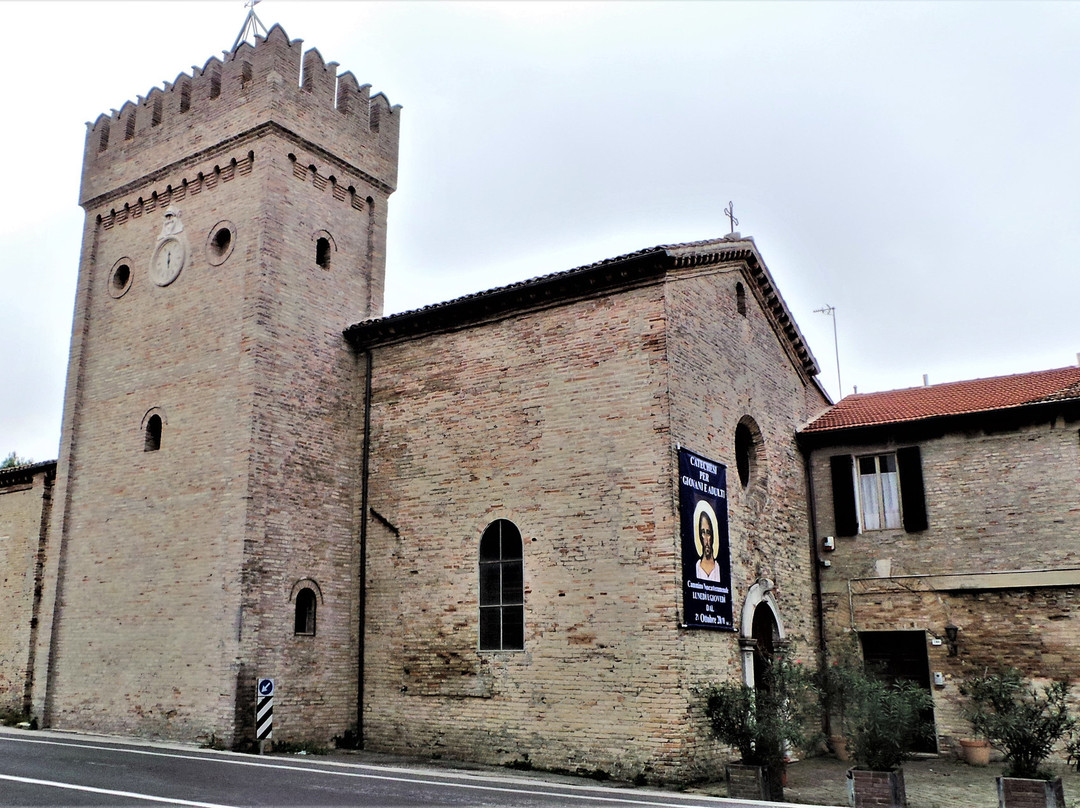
column 120, row 278
column 220, row 243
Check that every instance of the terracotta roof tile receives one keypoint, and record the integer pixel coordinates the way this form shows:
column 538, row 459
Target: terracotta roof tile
column 952, row 398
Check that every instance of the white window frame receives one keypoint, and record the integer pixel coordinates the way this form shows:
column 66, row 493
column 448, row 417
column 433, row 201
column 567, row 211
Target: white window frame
column 880, row 485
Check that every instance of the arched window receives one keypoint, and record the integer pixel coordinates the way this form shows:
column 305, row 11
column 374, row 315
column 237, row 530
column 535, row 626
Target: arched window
column 153, row 434
column 740, row 299
column 502, row 590
column 322, row 253
column 305, row 612
column 748, row 451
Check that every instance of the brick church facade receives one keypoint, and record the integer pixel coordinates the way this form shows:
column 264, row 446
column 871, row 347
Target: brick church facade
column 461, row 530
column 454, row 530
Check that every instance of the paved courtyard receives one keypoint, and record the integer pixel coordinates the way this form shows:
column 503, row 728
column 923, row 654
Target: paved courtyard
column 930, row 783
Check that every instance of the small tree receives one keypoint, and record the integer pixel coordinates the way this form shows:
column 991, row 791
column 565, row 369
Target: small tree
column 13, row 460
column 884, row 721
column 763, row 722
column 1019, row 721
column 839, row 684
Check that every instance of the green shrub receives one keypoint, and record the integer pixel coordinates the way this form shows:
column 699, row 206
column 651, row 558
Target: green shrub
column 761, row 722
column 10, row 717
column 1019, row 721
column 884, row 721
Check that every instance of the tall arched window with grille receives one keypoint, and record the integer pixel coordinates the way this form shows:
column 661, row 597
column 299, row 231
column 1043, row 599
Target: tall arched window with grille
column 502, row 590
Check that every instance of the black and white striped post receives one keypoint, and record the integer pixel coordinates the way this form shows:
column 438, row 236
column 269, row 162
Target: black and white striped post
column 264, row 713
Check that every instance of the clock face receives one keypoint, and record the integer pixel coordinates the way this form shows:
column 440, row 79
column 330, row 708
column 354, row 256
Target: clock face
column 167, row 262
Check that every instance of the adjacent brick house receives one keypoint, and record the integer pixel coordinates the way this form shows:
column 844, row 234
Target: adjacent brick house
column 459, row 530
column 25, row 509
column 948, row 516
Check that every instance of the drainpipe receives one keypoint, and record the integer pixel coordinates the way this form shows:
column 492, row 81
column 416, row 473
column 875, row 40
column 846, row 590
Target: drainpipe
column 815, row 563
column 362, row 596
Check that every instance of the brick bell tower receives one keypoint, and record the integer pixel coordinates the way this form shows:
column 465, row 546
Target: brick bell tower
column 203, row 525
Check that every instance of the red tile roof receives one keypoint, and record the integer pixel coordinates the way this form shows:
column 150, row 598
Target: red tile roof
column 952, row 398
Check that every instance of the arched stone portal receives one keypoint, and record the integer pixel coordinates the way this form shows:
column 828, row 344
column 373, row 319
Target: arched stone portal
column 761, row 630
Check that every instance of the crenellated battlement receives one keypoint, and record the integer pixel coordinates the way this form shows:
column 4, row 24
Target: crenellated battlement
column 273, row 80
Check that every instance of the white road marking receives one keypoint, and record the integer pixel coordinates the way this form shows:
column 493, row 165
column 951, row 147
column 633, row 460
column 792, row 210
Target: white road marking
column 429, row 777
column 110, row 792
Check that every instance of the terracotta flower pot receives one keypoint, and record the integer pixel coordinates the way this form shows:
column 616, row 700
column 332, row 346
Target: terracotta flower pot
column 839, row 747
column 976, row 752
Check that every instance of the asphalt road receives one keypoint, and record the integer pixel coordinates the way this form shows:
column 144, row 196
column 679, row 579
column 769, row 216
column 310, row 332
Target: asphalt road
column 53, row 769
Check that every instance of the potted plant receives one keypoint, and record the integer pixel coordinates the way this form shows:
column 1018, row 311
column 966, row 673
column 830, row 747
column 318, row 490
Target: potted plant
column 838, row 684
column 1024, row 724
column 884, row 721
column 975, row 751
column 763, row 724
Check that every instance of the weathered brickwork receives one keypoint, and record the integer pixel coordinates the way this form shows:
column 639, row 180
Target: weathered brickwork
column 565, row 422
column 25, row 499
column 174, row 572
column 727, row 368
column 230, row 440
column 998, row 560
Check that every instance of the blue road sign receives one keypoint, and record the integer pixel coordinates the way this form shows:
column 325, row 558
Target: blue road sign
column 266, row 687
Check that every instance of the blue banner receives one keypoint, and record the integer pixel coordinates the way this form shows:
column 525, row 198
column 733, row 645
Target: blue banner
column 706, row 553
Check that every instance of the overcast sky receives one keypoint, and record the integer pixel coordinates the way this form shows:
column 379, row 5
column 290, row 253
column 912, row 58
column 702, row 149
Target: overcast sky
column 914, row 165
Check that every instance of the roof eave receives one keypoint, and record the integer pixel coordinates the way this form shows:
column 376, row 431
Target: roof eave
column 1000, row 419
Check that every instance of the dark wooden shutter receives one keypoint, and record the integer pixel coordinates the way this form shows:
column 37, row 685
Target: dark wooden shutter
column 912, row 496
column 843, row 495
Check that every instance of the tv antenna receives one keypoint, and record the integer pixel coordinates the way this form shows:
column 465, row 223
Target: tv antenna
column 831, row 312
column 253, row 26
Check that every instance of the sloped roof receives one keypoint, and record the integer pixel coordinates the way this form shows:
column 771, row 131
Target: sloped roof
column 623, row 271
column 951, row 398
column 14, row 475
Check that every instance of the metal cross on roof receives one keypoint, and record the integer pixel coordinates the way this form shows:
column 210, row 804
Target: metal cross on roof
column 729, row 211
column 253, row 26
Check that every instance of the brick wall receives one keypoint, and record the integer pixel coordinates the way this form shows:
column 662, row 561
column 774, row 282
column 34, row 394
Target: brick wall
column 727, row 368
column 171, row 574
column 998, row 502
column 565, row 421
column 24, row 502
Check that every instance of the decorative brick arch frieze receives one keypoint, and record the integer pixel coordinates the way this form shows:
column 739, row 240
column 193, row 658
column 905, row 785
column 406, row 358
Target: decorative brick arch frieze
column 759, row 594
column 203, row 180
column 343, row 193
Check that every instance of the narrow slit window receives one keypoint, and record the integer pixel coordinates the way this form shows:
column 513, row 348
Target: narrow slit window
column 304, row 622
column 153, row 434
column 322, row 253
column 502, row 589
